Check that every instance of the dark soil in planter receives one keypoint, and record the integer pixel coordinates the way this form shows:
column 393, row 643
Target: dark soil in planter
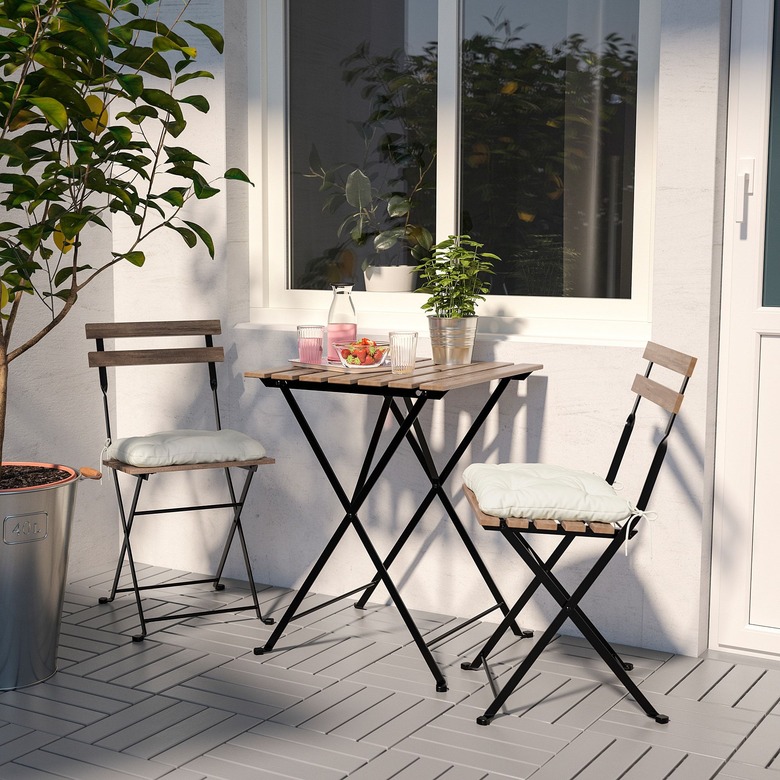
column 15, row 477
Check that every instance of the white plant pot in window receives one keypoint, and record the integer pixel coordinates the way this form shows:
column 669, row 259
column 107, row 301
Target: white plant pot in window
column 390, row 278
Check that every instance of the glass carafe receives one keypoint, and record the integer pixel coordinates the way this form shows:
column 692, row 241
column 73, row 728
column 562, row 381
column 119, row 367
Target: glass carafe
column 342, row 320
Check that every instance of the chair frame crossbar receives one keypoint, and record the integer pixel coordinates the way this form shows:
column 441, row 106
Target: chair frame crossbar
column 514, row 530
column 103, row 359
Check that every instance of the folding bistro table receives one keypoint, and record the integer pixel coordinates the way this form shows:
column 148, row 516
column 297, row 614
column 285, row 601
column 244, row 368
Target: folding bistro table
column 404, row 397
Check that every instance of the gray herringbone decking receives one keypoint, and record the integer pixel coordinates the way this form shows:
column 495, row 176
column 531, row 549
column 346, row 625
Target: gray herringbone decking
column 344, row 695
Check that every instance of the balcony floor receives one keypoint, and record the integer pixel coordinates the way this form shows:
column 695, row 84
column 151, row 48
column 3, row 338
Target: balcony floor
column 345, row 695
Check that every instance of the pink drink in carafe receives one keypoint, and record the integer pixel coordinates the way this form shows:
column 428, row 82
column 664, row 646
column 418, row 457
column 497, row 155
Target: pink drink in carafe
column 337, row 333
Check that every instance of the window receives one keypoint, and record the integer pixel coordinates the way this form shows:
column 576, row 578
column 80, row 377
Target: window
column 548, row 109
column 362, row 127
column 387, row 124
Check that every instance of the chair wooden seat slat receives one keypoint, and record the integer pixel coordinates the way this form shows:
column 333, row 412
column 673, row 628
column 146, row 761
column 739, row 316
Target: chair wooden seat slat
column 104, row 358
column 614, row 534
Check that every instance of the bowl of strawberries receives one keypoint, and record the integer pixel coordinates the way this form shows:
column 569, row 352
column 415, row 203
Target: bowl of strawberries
column 362, row 353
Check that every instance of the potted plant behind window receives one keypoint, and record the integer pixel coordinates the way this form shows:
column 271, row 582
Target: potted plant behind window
column 378, row 223
column 454, row 277
column 92, row 99
column 385, row 193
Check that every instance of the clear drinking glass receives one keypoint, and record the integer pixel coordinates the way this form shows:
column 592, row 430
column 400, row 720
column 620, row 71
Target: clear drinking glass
column 403, row 351
column 310, row 343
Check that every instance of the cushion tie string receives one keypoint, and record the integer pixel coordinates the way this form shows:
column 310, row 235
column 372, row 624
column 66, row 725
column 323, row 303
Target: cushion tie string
column 636, row 514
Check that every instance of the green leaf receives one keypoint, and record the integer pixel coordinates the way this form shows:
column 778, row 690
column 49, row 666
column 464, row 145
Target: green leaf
column 174, row 196
column 161, row 99
column 52, row 109
column 65, row 273
column 197, row 74
column 178, row 154
column 72, row 224
column 176, row 128
column 122, row 135
column 358, row 189
column 398, row 206
column 91, row 22
column 203, row 235
column 215, row 39
column 138, row 115
column 146, row 60
column 387, row 239
column 198, row 101
column 204, row 191
column 190, row 239
column 136, row 258
column 161, row 43
column 132, row 83
column 12, row 150
column 157, row 27
column 237, row 175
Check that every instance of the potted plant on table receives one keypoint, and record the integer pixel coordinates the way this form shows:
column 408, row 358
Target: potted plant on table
column 93, row 95
column 454, row 277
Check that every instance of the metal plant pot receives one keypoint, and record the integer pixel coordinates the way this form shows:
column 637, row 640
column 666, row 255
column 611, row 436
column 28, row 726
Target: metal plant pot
column 33, row 570
column 452, row 339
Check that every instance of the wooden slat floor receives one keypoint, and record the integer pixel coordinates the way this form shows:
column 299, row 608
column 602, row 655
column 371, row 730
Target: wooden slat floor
column 345, row 695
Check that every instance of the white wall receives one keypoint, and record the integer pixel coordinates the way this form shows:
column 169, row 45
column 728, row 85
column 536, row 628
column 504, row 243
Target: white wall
column 571, row 412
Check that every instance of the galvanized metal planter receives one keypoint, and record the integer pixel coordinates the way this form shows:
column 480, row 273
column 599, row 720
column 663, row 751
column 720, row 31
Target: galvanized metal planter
column 33, row 570
column 452, row 339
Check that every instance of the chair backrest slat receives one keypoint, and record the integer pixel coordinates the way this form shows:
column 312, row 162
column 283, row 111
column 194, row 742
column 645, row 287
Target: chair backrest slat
column 117, row 330
column 669, row 399
column 659, row 394
column 104, row 358
column 669, row 358
column 156, row 357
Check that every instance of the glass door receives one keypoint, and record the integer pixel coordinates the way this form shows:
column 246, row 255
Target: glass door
column 746, row 542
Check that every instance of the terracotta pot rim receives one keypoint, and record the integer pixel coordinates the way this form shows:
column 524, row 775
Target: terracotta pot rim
column 72, row 475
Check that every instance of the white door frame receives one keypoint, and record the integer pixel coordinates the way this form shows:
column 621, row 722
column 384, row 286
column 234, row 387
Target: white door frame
column 744, row 322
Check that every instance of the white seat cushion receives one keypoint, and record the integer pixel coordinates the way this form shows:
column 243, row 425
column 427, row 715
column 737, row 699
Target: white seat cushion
column 187, row 447
column 537, row 492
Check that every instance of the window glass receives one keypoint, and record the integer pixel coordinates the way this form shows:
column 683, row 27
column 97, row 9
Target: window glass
column 771, row 293
column 362, row 130
column 548, row 130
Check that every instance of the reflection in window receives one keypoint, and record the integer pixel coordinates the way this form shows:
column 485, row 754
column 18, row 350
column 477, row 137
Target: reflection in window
column 362, row 126
column 547, row 140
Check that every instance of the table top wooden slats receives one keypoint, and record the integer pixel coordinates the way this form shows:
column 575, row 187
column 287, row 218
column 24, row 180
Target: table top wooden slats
column 426, row 376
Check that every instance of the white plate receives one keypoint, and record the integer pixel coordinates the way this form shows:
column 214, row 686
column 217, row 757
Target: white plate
column 336, row 365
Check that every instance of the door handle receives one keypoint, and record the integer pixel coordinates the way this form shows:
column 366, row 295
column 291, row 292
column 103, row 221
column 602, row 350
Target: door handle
column 745, row 186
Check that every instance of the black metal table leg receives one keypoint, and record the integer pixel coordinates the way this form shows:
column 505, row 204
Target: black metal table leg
column 419, row 445
column 365, row 481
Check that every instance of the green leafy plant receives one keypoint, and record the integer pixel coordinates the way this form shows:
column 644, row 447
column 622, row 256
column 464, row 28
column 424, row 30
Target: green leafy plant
column 386, row 199
column 381, row 217
column 454, row 277
column 93, row 94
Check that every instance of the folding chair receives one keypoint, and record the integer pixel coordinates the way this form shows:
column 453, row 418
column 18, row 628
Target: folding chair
column 174, row 451
column 517, row 500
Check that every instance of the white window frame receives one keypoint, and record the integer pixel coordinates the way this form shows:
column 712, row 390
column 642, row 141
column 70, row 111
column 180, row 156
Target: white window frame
column 527, row 318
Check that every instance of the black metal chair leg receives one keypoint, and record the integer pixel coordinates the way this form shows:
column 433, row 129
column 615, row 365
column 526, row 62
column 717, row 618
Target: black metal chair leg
column 515, row 678
column 127, row 526
column 569, row 608
column 123, row 552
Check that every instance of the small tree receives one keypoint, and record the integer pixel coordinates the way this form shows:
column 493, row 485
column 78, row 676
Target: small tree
column 93, row 94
